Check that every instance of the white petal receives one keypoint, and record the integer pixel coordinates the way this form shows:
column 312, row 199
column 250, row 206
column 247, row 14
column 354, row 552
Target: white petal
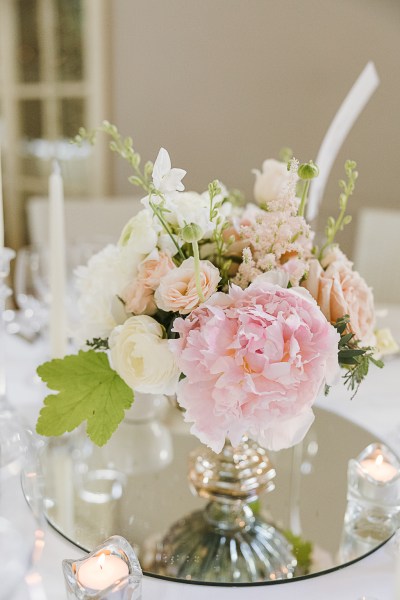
column 162, row 166
column 288, row 433
column 171, row 181
column 276, row 277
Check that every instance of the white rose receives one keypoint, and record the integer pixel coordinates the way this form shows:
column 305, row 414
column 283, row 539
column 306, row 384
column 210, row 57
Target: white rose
column 141, row 356
column 98, row 284
column 139, row 233
column 270, row 181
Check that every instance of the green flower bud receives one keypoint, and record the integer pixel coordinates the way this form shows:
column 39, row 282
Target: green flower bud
column 191, row 233
column 308, row 170
column 285, row 154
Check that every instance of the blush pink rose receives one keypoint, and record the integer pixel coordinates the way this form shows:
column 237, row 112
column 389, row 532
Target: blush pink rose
column 177, row 291
column 341, row 291
column 139, row 294
column 255, row 361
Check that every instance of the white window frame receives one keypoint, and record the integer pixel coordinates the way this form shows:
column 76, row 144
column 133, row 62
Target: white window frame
column 92, row 88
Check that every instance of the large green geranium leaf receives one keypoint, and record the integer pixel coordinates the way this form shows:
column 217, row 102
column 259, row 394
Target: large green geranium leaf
column 89, row 390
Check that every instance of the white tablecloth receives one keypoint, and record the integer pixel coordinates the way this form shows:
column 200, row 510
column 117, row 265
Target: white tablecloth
column 376, row 407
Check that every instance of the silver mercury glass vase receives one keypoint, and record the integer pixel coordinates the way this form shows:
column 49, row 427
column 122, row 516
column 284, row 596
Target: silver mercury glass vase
column 227, row 542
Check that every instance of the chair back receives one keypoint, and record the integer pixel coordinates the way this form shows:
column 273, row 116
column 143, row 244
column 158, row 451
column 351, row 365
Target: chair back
column 377, row 252
column 87, row 220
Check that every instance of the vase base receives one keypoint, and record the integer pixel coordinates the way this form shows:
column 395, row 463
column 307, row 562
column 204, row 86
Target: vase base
column 195, row 549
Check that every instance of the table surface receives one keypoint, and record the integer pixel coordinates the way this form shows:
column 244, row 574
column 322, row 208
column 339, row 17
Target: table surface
column 376, row 408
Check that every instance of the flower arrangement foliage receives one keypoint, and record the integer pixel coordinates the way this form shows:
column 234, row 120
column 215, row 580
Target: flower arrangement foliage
column 229, row 305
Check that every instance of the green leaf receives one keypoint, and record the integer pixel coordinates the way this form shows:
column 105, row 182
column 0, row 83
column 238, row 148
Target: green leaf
column 89, row 390
column 377, row 362
column 351, row 353
column 302, row 550
column 344, row 340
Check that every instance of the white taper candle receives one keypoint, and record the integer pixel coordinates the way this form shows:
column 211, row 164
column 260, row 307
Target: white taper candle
column 1, row 208
column 58, row 322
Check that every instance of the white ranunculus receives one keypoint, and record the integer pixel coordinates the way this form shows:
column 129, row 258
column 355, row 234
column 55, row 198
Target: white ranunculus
column 139, row 233
column 166, row 244
column 189, row 207
column 270, row 181
column 98, row 283
column 141, row 356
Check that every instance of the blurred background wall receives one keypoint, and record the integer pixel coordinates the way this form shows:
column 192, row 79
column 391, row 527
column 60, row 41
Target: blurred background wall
column 222, row 84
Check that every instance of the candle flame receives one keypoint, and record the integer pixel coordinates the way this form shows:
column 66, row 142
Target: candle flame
column 379, row 460
column 100, row 560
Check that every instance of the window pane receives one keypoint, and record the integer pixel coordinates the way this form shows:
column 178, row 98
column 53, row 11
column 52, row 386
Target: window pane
column 28, row 43
column 72, row 116
column 69, row 35
column 31, row 119
column 31, row 144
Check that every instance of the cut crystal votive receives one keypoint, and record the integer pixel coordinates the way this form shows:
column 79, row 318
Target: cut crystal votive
column 111, row 572
column 373, row 500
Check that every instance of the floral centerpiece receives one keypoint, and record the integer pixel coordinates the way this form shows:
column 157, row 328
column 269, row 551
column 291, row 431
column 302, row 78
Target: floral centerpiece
column 230, row 306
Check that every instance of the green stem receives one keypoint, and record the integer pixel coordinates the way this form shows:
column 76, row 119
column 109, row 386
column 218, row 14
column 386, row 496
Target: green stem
column 336, row 228
column 166, row 228
column 196, row 256
column 303, row 201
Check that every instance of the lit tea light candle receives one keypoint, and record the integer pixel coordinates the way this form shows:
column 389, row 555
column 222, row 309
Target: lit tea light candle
column 373, row 501
column 111, row 572
column 99, row 572
column 379, row 468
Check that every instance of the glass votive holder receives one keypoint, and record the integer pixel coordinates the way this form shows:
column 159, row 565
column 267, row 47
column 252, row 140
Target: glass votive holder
column 373, row 500
column 111, row 572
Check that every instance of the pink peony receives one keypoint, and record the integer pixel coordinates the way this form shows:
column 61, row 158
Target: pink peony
column 254, row 361
column 177, row 291
column 139, row 294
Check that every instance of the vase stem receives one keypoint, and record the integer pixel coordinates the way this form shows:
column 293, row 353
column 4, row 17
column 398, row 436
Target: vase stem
column 228, row 541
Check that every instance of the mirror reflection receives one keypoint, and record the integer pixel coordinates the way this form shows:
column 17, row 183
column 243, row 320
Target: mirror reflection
column 137, row 487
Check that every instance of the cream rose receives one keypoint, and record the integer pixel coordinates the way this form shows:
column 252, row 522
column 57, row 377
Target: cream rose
column 139, row 294
column 177, row 291
column 339, row 291
column 141, row 356
column 334, row 254
column 269, row 182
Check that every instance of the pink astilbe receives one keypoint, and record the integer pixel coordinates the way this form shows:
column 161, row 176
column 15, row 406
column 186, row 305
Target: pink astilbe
column 254, row 362
column 275, row 238
column 287, row 201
